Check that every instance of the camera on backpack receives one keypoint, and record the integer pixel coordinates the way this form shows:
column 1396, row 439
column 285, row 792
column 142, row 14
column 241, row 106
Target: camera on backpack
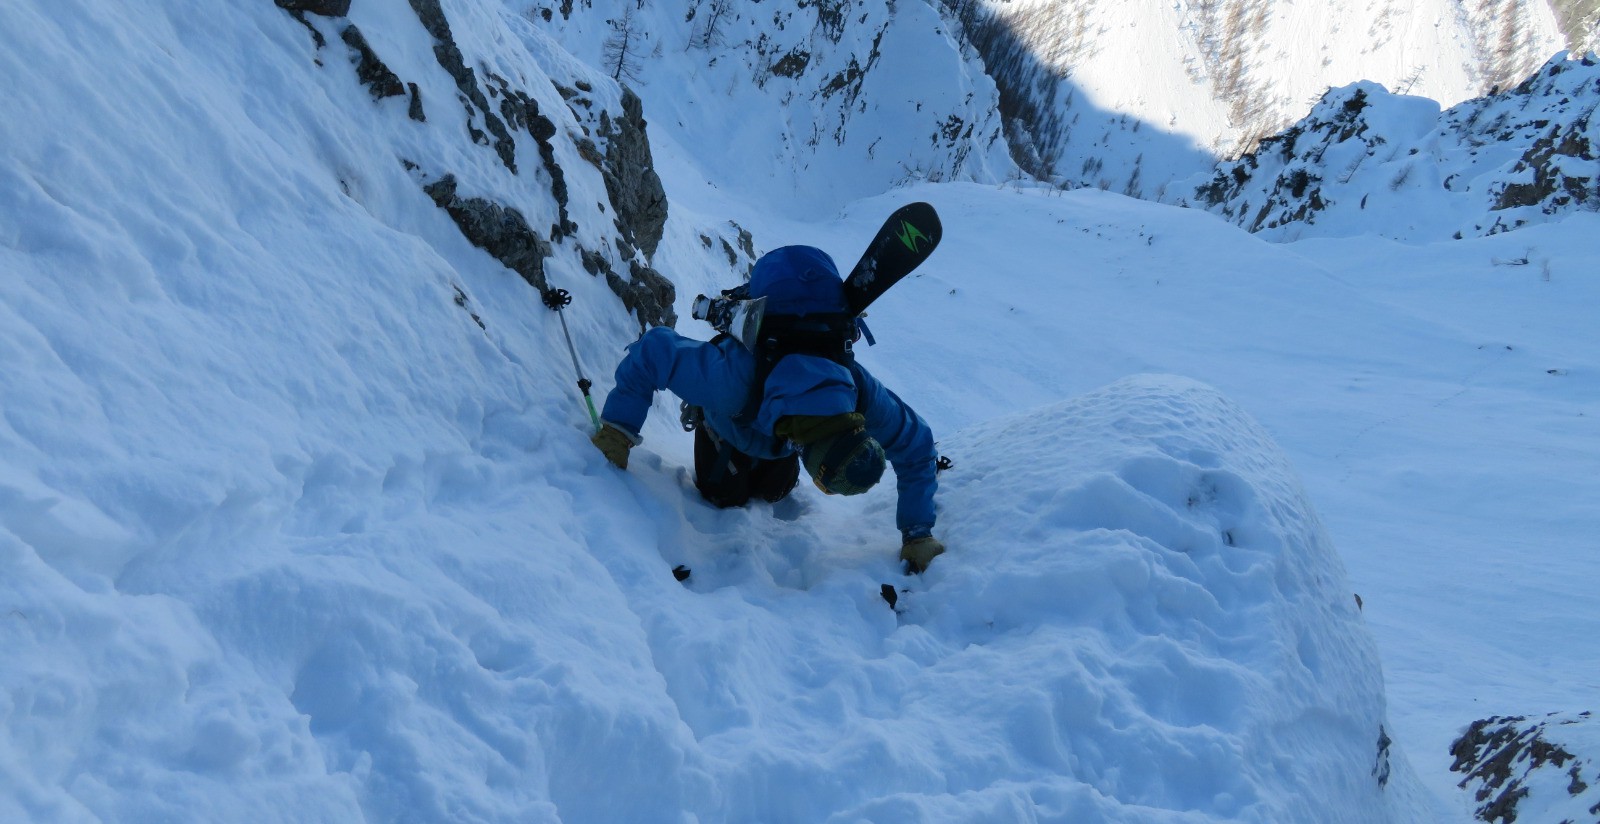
column 716, row 311
column 720, row 312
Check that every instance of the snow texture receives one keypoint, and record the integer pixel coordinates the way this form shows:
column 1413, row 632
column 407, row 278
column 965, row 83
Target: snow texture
column 299, row 521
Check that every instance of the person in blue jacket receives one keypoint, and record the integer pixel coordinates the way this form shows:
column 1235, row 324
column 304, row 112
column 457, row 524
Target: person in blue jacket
column 834, row 418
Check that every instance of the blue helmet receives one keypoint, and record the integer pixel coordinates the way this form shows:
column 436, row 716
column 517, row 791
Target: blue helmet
column 798, row 280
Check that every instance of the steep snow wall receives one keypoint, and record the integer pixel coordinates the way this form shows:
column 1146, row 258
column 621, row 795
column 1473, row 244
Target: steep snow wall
column 253, row 371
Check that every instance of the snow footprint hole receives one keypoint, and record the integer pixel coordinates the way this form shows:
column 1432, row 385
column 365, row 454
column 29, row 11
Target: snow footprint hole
column 1159, row 499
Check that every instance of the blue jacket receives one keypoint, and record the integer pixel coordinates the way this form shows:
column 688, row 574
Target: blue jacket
column 716, row 377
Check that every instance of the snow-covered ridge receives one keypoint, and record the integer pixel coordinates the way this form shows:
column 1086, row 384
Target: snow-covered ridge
column 1098, row 92
column 1367, row 161
column 1046, row 81
column 1537, row 770
column 823, row 101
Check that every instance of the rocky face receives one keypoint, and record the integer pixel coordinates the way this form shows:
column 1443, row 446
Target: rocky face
column 501, row 231
column 473, row 98
column 498, row 113
column 1281, row 181
column 1561, row 170
column 1518, row 763
column 631, row 180
column 326, row 8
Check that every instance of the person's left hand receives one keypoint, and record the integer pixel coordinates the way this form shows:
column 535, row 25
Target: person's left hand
column 919, row 552
column 614, row 444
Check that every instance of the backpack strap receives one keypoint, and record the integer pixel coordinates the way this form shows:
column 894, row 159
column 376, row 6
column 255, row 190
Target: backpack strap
column 861, row 386
column 758, row 386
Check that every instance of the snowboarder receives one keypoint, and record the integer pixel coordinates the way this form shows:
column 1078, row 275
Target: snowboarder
column 831, row 416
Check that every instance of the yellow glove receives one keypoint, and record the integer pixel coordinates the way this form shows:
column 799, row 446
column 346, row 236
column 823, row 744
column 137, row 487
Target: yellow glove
column 919, row 552
column 614, row 444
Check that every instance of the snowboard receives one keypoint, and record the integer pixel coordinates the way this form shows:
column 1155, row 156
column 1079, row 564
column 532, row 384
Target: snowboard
column 904, row 241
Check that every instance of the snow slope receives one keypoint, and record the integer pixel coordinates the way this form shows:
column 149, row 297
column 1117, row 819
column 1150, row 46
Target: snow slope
column 297, row 520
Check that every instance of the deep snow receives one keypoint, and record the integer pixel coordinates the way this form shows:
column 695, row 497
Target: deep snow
column 287, row 536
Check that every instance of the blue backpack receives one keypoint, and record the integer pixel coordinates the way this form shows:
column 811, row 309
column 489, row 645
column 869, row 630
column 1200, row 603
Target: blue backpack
column 793, row 304
column 804, row 314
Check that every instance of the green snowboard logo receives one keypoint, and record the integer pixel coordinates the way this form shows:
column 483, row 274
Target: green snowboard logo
column 911, row 236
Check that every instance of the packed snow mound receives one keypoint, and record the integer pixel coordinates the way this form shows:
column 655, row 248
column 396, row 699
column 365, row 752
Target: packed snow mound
column 1141, row 580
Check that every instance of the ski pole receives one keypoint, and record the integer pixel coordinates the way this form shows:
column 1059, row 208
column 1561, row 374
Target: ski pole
column 559, row 299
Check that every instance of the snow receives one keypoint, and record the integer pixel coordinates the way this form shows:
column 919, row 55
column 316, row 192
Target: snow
column 286, row 536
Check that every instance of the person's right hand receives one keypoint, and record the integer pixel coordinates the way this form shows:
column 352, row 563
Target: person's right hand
column 917, row 553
